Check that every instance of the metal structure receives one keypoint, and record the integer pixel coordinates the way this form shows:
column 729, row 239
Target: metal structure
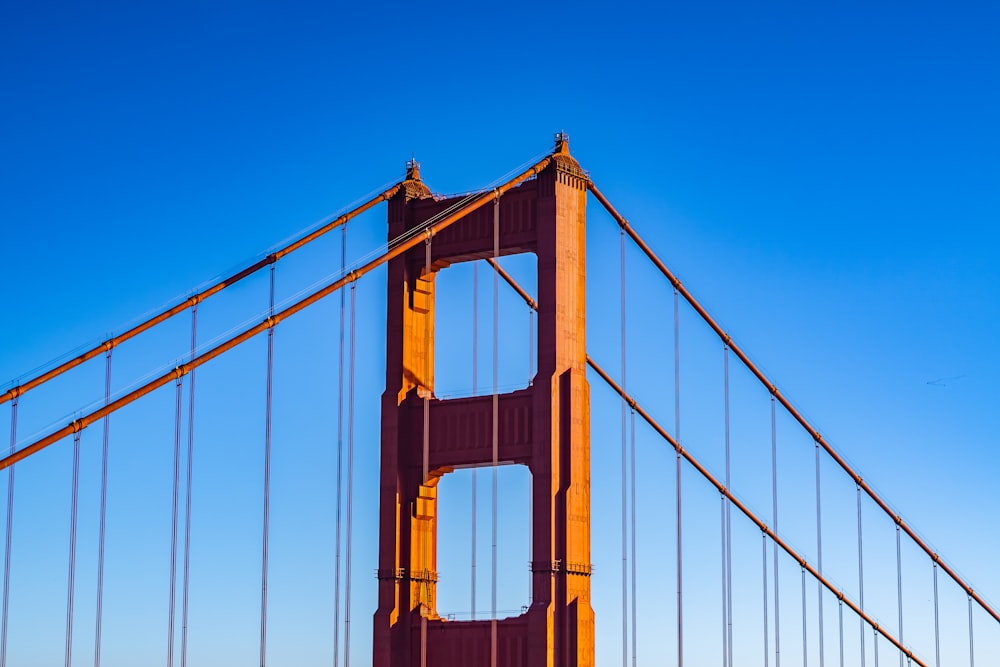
column 544, row 427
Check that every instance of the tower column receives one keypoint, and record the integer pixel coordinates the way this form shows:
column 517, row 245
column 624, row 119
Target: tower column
column 545, row 427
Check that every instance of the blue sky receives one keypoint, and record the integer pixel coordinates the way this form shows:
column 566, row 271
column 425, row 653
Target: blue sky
column 824, row 179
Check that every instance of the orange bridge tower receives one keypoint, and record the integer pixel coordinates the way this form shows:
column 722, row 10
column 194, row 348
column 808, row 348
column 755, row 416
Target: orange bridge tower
column 545, row 427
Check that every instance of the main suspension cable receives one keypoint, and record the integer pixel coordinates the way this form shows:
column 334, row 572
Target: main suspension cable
column 189, row 477
column 8, row 536
column 71, row 576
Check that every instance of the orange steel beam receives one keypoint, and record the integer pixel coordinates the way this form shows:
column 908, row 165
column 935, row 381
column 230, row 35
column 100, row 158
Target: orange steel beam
column 624, row 224
column 182, row 370
column 749, row 514
column 113, row 342
column 513, row 283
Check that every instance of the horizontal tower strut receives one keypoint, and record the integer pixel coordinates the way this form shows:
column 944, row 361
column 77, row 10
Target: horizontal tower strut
column 749, row 514
column 273, row 257
column 271, row 321
column 624, row 224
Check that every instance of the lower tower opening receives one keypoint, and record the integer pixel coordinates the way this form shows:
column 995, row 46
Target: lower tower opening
column 458, row 517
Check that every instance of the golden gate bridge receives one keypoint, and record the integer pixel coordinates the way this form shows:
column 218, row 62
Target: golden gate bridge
column 722, row 580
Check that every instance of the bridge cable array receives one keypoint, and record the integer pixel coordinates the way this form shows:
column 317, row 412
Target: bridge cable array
column 196, row 298
column 786, row 404
column 729, row 499
column 394, row 249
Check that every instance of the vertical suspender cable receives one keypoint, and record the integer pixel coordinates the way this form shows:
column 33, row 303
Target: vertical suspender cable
column 338, row 504
column 725, row 624
column 428, row 371
column 624, row 466
column 186, row 584
column 774, row 509
column 475, row 392
column 71, row 578
column 267, row 482
column 937, row 623
column 677, row 434
column 899, row 590
column 861, row 576
column 764, row 561
column 875, row 644
column 496, row 423
column 840, row 625
column 531, row 346
column 805, row 632
column 531, row 493
column 350, row 476
column 174, row 508
column 972, row 645
column 635, row 638
column 729, row 531
column 99, row 615
column 8, row 535
column 819, row 557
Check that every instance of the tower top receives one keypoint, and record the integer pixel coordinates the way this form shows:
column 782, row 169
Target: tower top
column 562, row 143
column 412, row 170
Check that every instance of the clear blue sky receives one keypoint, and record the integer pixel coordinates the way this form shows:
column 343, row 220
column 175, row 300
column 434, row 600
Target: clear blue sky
column 825, row 179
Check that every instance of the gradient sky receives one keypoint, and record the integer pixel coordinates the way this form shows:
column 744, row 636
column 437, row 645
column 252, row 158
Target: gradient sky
column 825, row 179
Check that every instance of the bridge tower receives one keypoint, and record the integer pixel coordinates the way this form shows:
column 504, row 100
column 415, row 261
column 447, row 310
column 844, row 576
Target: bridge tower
column 545, row 427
